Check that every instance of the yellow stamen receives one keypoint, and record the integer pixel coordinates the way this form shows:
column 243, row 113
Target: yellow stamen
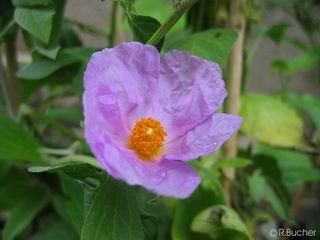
column 147, row 138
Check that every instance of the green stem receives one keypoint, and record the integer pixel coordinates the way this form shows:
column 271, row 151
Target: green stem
column 171, row 21
column 200, row 17
column 8, row 76
column 76, row 159
column 55, row 151
column 113, row 24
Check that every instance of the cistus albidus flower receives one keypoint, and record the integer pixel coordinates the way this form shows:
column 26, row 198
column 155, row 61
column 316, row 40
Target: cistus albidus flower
column 146, row 115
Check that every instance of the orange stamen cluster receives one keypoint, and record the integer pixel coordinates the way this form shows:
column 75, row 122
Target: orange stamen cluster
column 147, row 138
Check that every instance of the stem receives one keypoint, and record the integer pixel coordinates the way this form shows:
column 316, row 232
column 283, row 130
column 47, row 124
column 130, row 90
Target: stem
column 295, row 206
column 212, row 13
column 171, row 21
column 8, row 77
column 58, row 152
column 113, row 24
column 200, row 11
column 77, row 159
column 237, row 22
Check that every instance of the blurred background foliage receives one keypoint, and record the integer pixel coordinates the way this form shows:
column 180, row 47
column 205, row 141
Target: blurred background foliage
column 52, row 188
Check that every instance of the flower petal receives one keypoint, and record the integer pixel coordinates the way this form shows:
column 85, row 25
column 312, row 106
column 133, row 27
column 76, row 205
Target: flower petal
column 170, row 178
column 178, row 179
column 205, row 138
column 191, row 89
column 119, row 85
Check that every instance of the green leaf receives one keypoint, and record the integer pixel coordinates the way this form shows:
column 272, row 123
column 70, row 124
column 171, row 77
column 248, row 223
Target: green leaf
column 185, row 212
column 90, row 190
column 296, row 42
column 172, row 39
column 77, row 81
column 278, row 5
column 257, row 185
column 113, row 214
column 143, row 27
column 271, row 120
column 160, row 10
column 303, row 62
column 76, row 170
column 296, row 168
column 7, row 30
column 252, row 12
column 44, row 67
column 31, row 3
column 213, row 45
column 274, row 191
column 51, row 53
column 308, row 104
column 7, row 23
column 69, row 37
column 37, row 21
column 220, row 222
column 238, row 162
column 52, row 48
column 66, row 114
column 154, row 214
column 150, row 227
column 59, row 7
column 71, row 203
column 76, row 166
column 210, row 180
column 53, row 228
column 260, row 189
column 16, row 143
column 15, row 184
column 277, row 31
column 24, row 212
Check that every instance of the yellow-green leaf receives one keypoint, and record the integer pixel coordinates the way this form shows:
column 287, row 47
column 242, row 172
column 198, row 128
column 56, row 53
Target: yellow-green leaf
column 271, row 120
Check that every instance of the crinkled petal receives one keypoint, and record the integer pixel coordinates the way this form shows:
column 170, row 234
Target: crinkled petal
column 178, row 179
column 190, row 90
column 205, row 138
column 170, row 178
column 119, row 86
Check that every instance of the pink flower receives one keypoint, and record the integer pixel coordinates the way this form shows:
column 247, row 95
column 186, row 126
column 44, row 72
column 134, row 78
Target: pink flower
column 146, row 115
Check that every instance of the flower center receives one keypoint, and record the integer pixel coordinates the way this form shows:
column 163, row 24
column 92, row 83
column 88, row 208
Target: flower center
column 147, row 138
